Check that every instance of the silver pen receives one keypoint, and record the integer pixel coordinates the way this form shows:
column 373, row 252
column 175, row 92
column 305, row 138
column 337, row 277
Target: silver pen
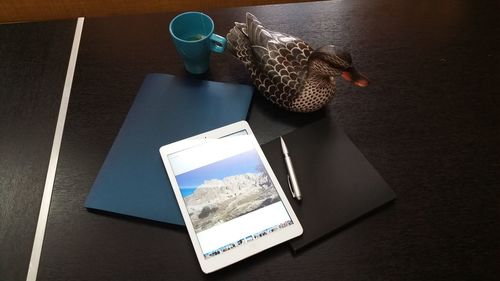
column 292, row 179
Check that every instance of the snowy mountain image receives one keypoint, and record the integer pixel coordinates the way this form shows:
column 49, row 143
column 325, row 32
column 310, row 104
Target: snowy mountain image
column 225, row 190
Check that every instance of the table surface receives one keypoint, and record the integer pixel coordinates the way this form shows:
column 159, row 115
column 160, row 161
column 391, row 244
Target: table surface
column 429, row 123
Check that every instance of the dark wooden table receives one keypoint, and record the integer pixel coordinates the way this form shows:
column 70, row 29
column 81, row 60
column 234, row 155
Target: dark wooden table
column 429, row 123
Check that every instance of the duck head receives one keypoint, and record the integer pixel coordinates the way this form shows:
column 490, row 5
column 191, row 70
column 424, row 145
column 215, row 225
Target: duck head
column 331, row 61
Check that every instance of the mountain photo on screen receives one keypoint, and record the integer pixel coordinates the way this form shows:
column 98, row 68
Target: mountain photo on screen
column 226, row 189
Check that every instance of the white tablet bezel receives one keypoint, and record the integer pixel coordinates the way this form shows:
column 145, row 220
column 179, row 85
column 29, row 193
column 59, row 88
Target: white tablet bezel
column 246, row 249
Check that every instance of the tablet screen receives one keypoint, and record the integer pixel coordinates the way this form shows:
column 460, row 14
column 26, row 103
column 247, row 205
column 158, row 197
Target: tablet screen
column 230, row 198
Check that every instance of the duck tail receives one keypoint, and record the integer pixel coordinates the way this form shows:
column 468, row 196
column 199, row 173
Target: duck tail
column 257, row 33
column 254, row 28
column 237, row 39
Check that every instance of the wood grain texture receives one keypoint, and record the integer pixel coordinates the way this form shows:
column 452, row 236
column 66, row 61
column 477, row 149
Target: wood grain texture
column 34, row 59
column 428, row 123
column 32, row 10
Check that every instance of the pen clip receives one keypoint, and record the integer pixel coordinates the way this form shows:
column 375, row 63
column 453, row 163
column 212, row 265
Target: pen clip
column 290, row 186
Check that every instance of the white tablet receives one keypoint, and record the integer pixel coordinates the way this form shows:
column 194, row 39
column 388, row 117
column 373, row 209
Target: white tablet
column 229, row 197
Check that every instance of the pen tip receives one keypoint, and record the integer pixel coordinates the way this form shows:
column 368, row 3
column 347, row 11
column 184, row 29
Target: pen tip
column 283, row 145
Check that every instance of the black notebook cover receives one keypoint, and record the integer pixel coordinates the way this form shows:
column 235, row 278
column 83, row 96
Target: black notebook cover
column 338, row 184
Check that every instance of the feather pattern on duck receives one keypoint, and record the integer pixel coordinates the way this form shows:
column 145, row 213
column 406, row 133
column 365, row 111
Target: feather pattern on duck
column 286, row 70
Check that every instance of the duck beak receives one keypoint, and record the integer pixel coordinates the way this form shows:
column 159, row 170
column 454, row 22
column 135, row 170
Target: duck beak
column 354, row 76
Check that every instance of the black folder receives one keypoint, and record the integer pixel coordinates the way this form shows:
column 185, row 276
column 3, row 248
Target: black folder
column 337, row 182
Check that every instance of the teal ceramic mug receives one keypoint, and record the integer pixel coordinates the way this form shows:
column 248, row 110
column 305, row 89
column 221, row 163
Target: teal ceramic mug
column 194, row 39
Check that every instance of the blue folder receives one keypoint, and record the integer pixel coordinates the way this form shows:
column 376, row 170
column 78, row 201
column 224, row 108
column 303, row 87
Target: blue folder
column 132, row 181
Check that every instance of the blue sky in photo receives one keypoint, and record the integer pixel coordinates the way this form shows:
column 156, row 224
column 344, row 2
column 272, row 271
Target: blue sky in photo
column 246, row 162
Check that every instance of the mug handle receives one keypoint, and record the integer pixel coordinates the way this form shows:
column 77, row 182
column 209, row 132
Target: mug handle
column 217, row 43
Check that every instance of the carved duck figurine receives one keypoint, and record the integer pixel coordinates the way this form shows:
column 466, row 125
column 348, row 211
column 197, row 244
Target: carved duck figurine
column 286, row 70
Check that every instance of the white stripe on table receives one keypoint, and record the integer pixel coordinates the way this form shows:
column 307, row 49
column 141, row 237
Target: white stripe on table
column 54, row 156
